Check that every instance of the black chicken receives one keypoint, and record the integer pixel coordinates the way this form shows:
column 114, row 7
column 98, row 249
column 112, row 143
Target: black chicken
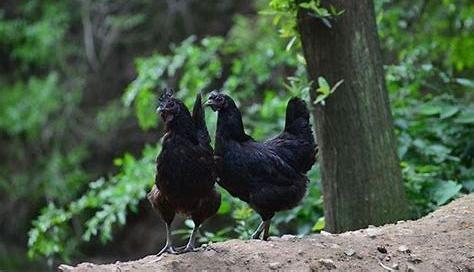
column 270, row 176
column 185, row 177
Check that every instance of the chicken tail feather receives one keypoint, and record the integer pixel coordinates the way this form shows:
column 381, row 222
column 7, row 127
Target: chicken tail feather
column 199, row 121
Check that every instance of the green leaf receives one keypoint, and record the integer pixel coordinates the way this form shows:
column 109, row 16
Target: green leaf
column 145, row 107
column 189, row 223
column 448, row 111
column 469, row 185
column 225, row 208
column 429, row 109
column 323, row 86
column 466, row 117
column 290, row 43
column 319, row 99
column 319, row 225
column 465, row 82
column 445, row 190
column 322, row 82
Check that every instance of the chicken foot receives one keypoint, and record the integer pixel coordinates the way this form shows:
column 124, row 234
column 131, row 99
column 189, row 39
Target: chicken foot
column 168, row 248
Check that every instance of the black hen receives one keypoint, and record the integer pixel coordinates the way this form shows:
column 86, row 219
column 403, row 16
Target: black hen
column 270, row 176
column 185, row 177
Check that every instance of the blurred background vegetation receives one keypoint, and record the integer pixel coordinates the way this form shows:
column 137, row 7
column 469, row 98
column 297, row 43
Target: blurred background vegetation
column 78, row 132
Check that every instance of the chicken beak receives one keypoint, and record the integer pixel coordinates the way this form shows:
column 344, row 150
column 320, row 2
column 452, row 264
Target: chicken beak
column 209, row 103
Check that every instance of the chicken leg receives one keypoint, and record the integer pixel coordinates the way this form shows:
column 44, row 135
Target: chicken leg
column 266, row 229
column 258, row 231
column 168, row 248
column 263, row 227
column 190, row 247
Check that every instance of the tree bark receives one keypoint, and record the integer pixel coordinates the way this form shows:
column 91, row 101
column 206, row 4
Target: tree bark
column 361, row 176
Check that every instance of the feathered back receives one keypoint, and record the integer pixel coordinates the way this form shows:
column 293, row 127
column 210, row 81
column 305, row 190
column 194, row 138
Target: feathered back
column 296, row 144
column 200, row 122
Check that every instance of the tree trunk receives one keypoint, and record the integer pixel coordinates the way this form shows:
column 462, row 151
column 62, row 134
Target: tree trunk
column 361, row 177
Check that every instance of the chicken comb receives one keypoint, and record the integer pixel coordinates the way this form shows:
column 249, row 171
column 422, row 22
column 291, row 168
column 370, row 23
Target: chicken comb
column 167, row 93
column 216, row 91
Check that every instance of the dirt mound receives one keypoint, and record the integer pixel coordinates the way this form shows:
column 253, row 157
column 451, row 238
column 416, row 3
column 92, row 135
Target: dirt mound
column 441, row 241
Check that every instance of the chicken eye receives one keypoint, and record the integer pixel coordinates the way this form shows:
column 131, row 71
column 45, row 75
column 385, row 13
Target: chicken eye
column 171, row 104
column 219, row 98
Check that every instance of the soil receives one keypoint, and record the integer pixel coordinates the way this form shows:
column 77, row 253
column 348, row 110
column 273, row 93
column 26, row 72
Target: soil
column 441, row 241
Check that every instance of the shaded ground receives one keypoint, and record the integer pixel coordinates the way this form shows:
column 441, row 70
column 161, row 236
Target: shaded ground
column 441, row 241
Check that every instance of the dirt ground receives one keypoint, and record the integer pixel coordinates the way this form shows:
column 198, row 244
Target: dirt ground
column 441, row 241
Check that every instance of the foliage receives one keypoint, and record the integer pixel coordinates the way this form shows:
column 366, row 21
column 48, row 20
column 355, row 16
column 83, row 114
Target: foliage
column 284, row 13
column 199, row 63
column 432, row 100
column 325, row 90
column 426, row 45
column 106, row 202
column 47, row 137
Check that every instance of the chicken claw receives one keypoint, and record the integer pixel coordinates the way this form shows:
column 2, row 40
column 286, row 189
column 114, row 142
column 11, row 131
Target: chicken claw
column 167, row 249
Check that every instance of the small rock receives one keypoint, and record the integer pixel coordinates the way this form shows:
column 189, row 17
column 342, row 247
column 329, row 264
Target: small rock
column 382, row 249
column 325, row 233
column 387, row 258
column 404, row 249
column 349, row 252
column 288, row 237
column 274, row 266
column 300, row 252
column 372, row 232
column 65, row 268
column 88, row 265
column 414, row 259
column 327, row 263
column 395, row 266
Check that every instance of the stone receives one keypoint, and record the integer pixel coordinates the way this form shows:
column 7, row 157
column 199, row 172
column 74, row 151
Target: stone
column 404, row 249
column 327, row 263
column 274, row 266
column 382, row 249
column 349, row 252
